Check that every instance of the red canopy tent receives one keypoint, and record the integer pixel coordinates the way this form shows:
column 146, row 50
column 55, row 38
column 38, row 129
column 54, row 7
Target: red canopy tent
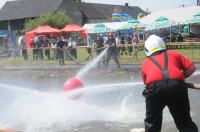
column 40, row 30
column 72, row 28
column 45, row 30
column 29, row 35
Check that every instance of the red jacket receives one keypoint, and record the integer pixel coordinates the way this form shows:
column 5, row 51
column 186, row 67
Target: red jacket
column 176, row 64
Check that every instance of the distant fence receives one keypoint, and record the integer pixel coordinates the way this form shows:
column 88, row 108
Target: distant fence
column 180, row 45
column 190, row 49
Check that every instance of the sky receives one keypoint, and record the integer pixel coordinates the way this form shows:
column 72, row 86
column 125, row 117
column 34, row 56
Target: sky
column 2, row 2
column 152, row 5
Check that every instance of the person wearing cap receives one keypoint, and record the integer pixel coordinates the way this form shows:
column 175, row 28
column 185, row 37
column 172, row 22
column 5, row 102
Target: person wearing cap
column 163, row 73
column 111, row 52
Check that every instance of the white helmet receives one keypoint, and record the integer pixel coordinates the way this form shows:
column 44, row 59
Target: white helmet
column 153, row 44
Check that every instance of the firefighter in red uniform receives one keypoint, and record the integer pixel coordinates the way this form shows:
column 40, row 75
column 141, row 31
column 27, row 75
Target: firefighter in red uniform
column 163, row 73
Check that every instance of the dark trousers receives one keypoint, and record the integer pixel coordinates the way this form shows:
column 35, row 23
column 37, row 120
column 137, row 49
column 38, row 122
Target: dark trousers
column 111, row 52
column 175, row 96
column 73, row 52
column 35, row 54
column 60, row 54
column 40, row 53
column 25, row 54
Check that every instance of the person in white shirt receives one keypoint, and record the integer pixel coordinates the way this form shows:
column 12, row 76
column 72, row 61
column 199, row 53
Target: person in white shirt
column 118, row 44
column 22, row 45
column 72, row 47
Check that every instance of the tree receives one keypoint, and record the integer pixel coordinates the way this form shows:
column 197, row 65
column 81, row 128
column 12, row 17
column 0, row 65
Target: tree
column 57, row 20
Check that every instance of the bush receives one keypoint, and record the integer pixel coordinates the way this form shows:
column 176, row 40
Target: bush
column 57, row 20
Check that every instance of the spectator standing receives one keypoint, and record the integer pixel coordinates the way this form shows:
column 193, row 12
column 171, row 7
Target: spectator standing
column 39, row 45
column 66, row 54
column 123, row 41
column 22, row 44
column 47, row 46
column 72, row 47
column 53, row 42
column 60, row 50
column 135, row 42
column 34, row 50
column 118, row 45
column 129, row 41
column 180, row 38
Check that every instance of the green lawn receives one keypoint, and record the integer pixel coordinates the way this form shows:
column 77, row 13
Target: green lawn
column 193, row 54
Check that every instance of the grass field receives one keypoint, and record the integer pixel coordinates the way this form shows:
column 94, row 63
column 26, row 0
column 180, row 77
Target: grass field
column 192, row 54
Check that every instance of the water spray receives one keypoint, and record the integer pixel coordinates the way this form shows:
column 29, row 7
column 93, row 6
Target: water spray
column 76, row 83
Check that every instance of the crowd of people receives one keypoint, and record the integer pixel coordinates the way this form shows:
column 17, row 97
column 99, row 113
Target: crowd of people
column 167, row 36
column 115, row 44
column 66, row 48
column 42, row 46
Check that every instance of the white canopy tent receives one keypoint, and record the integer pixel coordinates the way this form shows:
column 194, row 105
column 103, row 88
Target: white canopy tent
column 179, row 15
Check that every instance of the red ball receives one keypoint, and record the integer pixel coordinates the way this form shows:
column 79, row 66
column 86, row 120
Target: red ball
column 72, row 84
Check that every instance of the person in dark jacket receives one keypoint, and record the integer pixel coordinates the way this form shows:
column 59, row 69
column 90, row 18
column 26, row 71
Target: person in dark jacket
column 60, row 50
column 99, row 44
column 34, row 50
column 123, row 42
column 111, row 52
column 179, row 38
column 39, row 45
column 163, row 73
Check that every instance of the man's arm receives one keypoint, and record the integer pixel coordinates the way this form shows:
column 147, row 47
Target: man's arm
column 188, row 72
